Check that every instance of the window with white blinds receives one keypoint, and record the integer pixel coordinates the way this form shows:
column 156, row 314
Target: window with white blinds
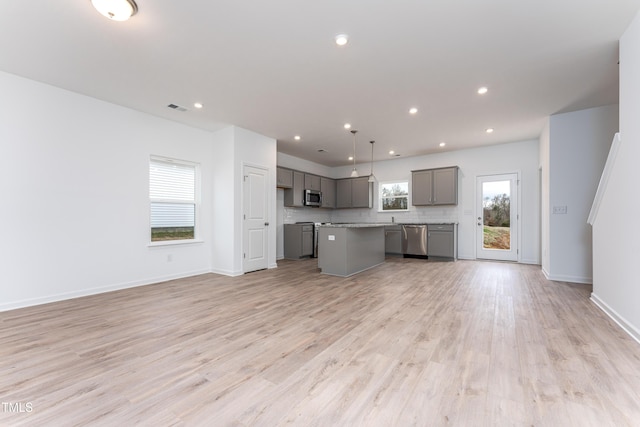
column 172, row 193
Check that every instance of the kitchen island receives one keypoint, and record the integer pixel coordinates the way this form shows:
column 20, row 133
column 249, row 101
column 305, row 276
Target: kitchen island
column 347, row 249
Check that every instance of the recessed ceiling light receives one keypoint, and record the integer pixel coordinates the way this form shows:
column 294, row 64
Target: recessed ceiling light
column 342, row 39
column 413, row 110
column 490, row 130
column 442, row 144
column 198, row 105
column 120, row 10
column 483, row 90
column 392, row 152
column 350, row 158
column 297, row 137
column 347, row 125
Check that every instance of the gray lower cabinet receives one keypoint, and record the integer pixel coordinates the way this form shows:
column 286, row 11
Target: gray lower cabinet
column 284, row 178
column 434, row 187
column 328, row 189
column 442, row 241
column 298, row 240
column 294, row 196
column 354, row 193
column 393, row 239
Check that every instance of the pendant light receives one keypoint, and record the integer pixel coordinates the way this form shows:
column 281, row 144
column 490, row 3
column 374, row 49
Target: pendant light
column 372, row 177
column 116, row 10
column 354, row 172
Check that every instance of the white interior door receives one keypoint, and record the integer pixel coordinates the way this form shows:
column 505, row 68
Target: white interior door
column 256, row 220
column 497, row 217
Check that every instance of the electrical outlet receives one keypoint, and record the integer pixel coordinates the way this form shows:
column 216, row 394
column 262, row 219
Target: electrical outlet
column 559, row 210
column 332, row 237
column 169, row 258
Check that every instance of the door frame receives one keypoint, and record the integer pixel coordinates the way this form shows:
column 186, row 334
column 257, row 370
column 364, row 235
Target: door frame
column 480, row 214
column 267, row 207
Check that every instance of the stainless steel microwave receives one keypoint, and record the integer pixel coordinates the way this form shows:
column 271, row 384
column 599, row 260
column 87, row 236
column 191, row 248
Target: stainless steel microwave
column 312, row 198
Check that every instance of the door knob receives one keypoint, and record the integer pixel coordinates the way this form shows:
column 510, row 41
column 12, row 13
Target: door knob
column 479, row 218
column 266, row 223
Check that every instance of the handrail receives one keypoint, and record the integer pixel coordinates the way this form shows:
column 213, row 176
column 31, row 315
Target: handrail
column 604, row 179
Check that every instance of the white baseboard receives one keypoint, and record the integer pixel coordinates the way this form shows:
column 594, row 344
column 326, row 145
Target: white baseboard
column 93, row 291
column 230, row 273
column 570, row 279
column 530, row 261
column 621, row 321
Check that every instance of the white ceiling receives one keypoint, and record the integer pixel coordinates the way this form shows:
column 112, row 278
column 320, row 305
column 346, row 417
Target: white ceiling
column 273, row 67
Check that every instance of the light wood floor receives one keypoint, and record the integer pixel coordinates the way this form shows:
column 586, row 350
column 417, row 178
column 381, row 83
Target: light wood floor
column 407, row 343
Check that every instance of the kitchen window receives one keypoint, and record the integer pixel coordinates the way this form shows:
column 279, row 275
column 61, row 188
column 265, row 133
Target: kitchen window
column 173, row 199
column 394, row 196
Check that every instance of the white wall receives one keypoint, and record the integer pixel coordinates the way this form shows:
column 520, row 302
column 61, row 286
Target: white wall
column 291, row 162
column 578, row 146
column 224, row 238
column 74, row 184
column 616, row 231
column 75, row 189
column 521, row 157
column 253, row 149
column 544, row 196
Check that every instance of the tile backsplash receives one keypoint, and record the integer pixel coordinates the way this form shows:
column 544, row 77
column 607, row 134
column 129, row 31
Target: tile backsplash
column 417, row 214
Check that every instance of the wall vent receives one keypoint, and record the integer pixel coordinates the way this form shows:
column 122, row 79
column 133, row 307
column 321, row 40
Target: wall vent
column 176, row 107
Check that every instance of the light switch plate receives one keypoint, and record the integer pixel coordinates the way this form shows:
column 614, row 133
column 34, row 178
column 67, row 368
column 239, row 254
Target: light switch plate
column 559, row 210
column 332, row 237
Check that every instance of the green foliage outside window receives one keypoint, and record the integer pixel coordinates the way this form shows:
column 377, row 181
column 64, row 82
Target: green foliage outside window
column 394, row 196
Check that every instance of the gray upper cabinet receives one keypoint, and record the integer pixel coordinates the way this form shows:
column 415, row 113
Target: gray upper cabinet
column 343, row 193
column 284, row 178
column 421, row 185
column 328, row 189
column 433, row 187
column 361, row 193
column 445, row 186
column 293, row 197
column 354, row 193
column 311, row 182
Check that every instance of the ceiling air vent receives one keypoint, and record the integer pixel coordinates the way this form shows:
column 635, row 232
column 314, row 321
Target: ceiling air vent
column 176, row 107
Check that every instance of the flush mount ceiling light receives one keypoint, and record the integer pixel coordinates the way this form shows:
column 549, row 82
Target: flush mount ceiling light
column 442, row 144
column 354, row 172
column 116, row 10
column 347, row 125
column 413, row 110
column 490, row 130
column 198, row 105
column 342, row 39
column 297, row 137
column 483, row 90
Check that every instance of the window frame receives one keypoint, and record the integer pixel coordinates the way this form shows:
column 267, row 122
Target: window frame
column 381, row 184
column 196, row 202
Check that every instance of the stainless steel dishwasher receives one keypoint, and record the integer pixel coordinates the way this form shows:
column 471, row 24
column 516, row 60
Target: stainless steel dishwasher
column 414, row 239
